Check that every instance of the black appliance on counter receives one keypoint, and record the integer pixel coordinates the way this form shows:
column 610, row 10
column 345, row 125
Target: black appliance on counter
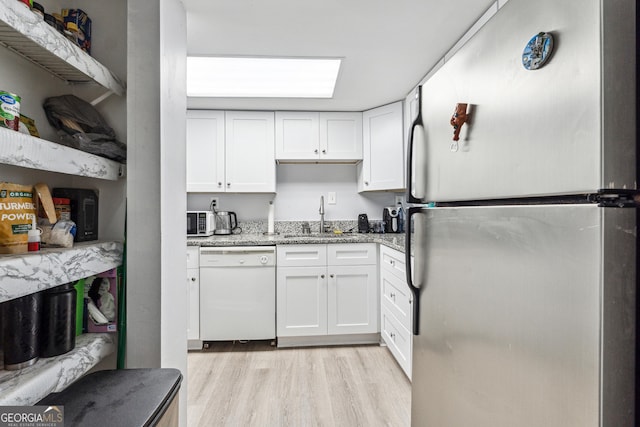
column 84, row 211
column 363, row 223
column 393, row 221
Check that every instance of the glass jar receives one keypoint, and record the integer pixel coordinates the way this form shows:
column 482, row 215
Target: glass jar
column 63, row 208
column 71, row 32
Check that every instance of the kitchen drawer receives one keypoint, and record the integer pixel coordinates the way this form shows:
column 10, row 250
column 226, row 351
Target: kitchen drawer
column 393, row 261
column 352, row 254
column 302, row 255
column 193, row 256
column 399, row 340
column 397, row 297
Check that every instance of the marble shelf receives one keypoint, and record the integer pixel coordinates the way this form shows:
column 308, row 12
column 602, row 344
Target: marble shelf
column 27, row 386
column 24, row 274
column 23, row 150
column 25, row 33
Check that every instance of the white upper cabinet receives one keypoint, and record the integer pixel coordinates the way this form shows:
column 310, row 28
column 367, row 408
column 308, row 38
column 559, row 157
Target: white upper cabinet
column 249, row 152
column 382, row 166
column 205, row 151
column 318, row 136
column 341, row 136
column 297, row 135
column 230, row 151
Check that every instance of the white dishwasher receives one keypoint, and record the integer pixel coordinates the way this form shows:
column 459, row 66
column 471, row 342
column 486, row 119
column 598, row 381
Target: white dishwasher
column 237, row 293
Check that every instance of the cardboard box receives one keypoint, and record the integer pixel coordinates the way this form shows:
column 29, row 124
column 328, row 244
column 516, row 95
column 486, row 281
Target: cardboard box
column 82, row 20
column 101, row 291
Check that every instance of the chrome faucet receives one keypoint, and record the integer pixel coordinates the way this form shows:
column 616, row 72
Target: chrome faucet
column 321, row 212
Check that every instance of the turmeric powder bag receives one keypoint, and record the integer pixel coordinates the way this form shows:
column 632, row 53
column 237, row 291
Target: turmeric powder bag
column 17, row 209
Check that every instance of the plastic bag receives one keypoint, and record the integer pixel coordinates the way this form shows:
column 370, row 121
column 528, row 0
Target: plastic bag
column 81, row 126
column 58, row 235
column 17, row 209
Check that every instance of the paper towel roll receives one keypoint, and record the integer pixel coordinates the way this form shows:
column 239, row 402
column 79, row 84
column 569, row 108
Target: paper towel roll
column 271, row 219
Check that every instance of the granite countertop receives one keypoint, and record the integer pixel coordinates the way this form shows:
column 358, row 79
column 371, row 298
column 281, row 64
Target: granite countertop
column 394, row 241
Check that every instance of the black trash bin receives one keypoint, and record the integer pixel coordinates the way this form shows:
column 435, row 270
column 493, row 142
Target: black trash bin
column 123, row 398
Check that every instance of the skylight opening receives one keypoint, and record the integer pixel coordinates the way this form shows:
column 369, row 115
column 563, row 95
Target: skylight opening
column 261, row 77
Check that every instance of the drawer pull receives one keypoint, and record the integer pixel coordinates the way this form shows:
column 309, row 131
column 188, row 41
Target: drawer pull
column 322, row 276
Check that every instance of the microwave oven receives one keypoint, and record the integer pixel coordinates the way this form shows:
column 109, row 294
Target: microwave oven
column 200, row 223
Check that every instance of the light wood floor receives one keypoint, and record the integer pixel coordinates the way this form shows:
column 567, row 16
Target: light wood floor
column 254, row 384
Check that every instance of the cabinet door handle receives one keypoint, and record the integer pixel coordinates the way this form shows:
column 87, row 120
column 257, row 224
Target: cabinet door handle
column 366, row 183
column 392, row 262
column 331, row 275
column 322, row 276
column 219, row 184
column 324, row 151
column 315, row 151
column 228, row 184
column 193, row 279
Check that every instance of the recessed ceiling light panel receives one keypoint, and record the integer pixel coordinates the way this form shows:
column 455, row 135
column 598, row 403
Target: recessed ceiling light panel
column 259, row 77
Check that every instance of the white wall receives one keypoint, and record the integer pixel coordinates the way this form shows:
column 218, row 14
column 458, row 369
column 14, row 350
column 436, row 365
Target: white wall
column 173, row 187
column 299, row 187
column 156, row 184
column 144, row 277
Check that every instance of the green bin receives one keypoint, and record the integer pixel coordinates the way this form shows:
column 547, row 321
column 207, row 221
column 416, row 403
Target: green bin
column 79, row 286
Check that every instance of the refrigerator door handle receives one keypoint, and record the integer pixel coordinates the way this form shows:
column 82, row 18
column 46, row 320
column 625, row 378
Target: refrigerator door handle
column 407, row 253
column 417, row 122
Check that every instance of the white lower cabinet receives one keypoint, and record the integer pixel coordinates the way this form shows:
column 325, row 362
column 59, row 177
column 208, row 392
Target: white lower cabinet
column 327, row 290
column 193, row 298
column 352, row 300
column 396, row 307
column 301, row 301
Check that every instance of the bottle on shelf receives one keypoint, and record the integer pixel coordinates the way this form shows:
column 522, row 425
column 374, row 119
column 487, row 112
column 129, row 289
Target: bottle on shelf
column 33, row 236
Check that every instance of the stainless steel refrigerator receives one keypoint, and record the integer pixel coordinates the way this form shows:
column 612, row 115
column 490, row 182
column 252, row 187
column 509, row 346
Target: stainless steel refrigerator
column 523, row 231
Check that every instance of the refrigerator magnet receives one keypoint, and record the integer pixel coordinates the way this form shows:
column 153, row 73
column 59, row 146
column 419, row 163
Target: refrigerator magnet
column 538, row 51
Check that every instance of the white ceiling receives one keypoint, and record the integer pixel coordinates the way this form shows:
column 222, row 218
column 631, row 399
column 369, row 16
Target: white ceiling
column 388, row 46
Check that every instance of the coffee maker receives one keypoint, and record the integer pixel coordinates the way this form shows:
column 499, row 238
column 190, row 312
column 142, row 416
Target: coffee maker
column 392, row 217
column 363, row 223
